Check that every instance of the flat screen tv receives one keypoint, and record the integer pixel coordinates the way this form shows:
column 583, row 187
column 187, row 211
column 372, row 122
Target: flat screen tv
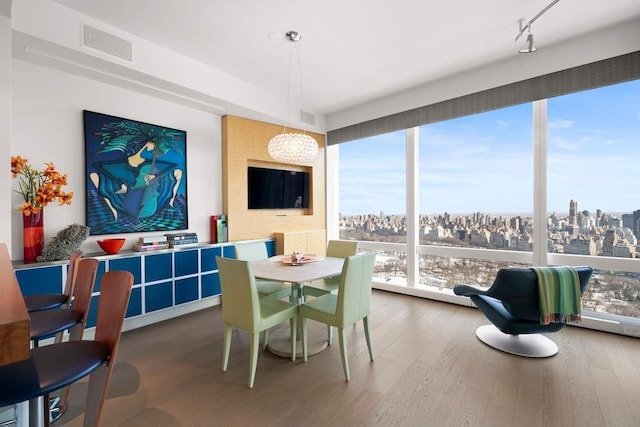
column 278, row 189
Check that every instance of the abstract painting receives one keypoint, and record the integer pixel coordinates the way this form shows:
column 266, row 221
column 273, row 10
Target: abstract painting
column 136, row 175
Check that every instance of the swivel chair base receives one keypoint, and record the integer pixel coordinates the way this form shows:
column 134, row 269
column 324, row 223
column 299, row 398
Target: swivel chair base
column 527, row 345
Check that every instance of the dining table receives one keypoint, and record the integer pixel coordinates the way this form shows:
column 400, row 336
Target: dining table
column 282, row 268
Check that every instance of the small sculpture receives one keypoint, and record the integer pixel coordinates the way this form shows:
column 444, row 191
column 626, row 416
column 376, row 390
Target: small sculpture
column 66, row 242
column 296, row 257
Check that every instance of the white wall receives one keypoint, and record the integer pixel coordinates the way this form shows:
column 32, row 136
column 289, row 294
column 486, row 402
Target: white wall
column 47, row 126
column 5, row 120
column 47, row 32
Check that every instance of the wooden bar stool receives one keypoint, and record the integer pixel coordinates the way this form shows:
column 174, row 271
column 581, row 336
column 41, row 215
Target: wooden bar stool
column 50, row 368
column 39, row 302
column 47, row 323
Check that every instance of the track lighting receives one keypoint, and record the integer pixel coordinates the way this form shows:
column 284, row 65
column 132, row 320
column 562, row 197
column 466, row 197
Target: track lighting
column 529, row 46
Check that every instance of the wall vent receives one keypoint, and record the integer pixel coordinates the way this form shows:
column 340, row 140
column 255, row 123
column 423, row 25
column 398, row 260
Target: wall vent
column 107, row 43
column 308, row 118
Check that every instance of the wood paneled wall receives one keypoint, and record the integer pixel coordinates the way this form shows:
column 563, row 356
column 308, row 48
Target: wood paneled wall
column 14, row 319
column 244, row 144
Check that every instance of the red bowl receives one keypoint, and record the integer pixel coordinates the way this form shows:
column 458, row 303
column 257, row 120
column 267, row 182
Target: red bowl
column 111, row 246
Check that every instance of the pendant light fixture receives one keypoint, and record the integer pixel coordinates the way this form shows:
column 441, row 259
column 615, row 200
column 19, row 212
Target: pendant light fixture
column 293, row 147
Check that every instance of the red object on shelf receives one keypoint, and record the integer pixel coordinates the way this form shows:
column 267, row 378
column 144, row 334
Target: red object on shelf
column 214, row 228
column 32, row 235
column 111, row 246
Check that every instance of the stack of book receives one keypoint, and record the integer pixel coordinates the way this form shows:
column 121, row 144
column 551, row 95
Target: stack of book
column 151, row 243
column 182, row 239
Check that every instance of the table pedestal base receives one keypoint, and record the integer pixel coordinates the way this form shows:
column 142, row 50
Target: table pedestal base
column 280, row 340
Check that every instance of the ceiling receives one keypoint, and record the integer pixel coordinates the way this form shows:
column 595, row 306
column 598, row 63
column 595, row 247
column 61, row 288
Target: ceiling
column 352, row 51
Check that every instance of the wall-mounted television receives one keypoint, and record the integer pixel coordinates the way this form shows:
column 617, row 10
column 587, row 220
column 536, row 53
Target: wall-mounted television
column 278, row 188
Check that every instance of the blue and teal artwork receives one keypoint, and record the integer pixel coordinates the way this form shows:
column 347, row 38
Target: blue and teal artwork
column 136, row 176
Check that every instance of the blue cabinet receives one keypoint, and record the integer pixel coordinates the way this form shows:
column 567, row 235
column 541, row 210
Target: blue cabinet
column 209, row 285
column 164, row 280
column 42, row 280
column 157, row 296
column 186, row 290
column 158, row 267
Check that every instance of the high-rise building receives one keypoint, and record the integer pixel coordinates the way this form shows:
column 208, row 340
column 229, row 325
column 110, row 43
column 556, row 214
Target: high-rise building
column 610, row 240
column 636, row 226
column 573, row 212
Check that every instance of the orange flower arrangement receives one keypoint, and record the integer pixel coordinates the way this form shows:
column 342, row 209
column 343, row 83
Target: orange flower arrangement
column 38, row 188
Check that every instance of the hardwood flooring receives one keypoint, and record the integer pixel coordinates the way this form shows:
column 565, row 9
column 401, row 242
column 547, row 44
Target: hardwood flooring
column 429, row 370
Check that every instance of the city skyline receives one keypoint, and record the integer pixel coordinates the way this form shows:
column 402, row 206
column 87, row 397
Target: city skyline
column 484, row 162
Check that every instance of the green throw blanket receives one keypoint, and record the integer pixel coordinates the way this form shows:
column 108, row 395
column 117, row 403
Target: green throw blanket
column 559, row 291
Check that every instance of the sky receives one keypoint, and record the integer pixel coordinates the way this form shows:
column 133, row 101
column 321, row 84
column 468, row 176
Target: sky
column 484, row 162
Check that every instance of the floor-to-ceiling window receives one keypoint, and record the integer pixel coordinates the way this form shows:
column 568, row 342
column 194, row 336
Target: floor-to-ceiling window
column 476, row 191
column 373, row 198
column 476, row 195
column 593, row 194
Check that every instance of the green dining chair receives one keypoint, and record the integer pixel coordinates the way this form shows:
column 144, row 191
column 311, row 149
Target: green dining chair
column 352, row 303
column 244, row 309
column 253, row 251
column 317, row 288
column 335, row 249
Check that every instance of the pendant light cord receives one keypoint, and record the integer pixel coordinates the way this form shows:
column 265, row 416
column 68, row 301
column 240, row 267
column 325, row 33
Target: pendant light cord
column 293, row 55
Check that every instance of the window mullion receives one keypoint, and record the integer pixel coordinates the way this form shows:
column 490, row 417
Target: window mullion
column 412, row 218
column 540, row 182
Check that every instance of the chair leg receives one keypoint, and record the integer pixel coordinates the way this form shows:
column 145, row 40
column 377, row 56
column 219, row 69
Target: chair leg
column 294, row 335
column 329, row 334
column 266, row 339
column 60, row 335
column 365, row 321
column 227, row 347
column 96, row 394
column 304, row 339
column 343, row 353
column 35, row 413
column 46, row 416
column 255, row 344
column 75, row 334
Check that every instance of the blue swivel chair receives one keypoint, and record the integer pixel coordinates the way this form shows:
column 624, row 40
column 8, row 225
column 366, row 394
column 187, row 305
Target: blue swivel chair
column 512, row 306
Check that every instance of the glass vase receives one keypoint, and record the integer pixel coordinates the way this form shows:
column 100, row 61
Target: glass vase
column 32, row 235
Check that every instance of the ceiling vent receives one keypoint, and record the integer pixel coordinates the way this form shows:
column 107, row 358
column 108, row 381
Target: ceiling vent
column 107, row 43
column 308, row 118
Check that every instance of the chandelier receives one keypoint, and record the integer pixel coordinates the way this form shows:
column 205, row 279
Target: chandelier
column 293, row 147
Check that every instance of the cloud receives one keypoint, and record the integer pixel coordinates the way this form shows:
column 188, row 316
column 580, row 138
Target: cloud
column 503, row 124
column 560, row 124
column 564, row 144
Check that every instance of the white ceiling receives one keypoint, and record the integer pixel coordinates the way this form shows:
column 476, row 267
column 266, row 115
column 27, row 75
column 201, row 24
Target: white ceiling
column 352, row 51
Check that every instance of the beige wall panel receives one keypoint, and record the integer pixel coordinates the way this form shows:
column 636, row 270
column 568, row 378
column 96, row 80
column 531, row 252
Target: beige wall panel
column 244, row 143
column 309, row 242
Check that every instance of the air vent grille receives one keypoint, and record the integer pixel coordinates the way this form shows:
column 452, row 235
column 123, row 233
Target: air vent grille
column 308, row 118
column 107, row 43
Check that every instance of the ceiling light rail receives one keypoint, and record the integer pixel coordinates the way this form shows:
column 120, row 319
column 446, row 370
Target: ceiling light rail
column 529, row 46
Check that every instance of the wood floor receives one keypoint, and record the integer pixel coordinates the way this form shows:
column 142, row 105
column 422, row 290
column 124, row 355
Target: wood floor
column 429, row 370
